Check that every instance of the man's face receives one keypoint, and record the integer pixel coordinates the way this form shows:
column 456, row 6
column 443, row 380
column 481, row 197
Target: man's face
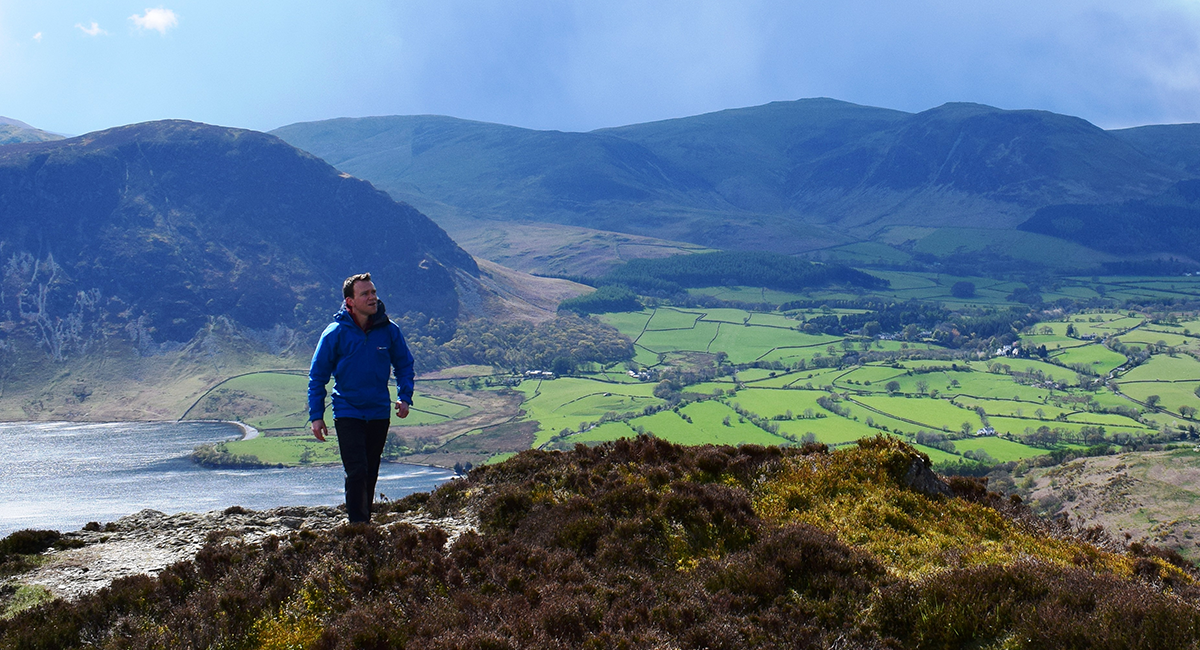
column 364, row 301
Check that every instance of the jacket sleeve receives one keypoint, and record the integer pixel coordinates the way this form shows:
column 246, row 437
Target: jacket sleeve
column 402, row 361
column 319, row 372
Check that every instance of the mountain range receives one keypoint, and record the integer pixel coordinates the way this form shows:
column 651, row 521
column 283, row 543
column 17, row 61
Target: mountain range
column 155, row 229
column 794, row 177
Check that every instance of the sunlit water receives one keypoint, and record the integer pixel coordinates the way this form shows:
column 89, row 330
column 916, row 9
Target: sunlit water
column 60, row 476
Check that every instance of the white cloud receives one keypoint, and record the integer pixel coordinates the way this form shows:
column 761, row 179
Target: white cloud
column 38, row 37
column 93, row 30
column 159, row 20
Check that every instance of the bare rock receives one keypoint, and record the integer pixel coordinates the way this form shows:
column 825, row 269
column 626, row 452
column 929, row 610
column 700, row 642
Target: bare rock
column 923, row 479
column 149, row 541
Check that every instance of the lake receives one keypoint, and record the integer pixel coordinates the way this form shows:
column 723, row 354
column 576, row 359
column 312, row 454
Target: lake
column 60, row 476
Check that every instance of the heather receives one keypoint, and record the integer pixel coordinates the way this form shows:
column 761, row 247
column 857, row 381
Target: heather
column 644, row 544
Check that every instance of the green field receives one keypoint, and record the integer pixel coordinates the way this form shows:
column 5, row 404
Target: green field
column 264, row 400
column 922, row 413
column 937, row 455
column 274, row 401
column 743, row 343
column 1173, row 395
column 909, row 390
column 672, row 319
column 1100, row 359
column 998, row 448
column 748, row 294
column 569, row 402
column 706, row 426
column 289, row 450
column 1162, row 367
column 1143, row 336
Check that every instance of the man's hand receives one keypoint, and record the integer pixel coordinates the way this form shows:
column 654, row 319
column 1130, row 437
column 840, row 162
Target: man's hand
column 319, row 430
column 401, row 408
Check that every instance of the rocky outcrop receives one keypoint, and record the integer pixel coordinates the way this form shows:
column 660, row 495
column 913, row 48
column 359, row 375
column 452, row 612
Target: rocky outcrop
column 923, row 479
column 149, row 541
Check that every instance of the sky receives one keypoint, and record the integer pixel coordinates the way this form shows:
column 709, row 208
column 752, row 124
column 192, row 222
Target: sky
column 74, row 66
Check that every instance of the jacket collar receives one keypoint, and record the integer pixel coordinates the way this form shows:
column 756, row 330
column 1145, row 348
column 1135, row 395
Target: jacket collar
column 377, row 319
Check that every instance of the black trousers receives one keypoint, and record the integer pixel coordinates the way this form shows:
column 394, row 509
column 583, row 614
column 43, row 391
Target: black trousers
column 361, row 444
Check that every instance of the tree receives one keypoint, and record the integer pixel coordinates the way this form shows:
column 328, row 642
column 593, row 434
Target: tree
column 963, row 289
column 1188, row 412
column 922, row 386
column 562, row 366
column 1152, row 401
column 892, row 387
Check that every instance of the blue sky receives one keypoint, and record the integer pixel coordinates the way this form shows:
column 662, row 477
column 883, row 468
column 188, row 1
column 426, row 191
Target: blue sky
column 79, row 66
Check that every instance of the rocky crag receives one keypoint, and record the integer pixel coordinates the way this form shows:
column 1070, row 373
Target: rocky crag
column 147, row 542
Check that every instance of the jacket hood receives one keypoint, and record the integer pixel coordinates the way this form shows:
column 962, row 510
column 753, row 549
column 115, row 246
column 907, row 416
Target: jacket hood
column 378, row 318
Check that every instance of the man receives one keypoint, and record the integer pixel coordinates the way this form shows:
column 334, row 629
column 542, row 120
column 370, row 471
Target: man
column 360, row 348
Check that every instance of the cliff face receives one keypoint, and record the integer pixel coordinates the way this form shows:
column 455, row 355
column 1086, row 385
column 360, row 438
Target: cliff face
column 157, row 228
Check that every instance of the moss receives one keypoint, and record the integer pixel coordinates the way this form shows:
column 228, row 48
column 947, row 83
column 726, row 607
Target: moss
column 858, row 493
column 24, row 597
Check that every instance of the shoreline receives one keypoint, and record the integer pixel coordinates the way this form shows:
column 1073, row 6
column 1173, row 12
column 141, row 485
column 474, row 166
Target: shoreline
column 248, row 433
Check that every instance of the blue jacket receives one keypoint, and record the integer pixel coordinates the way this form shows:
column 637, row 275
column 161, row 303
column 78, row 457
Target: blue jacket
column 360, row 362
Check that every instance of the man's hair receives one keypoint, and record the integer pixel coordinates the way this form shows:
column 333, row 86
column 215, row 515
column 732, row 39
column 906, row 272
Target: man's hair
column 348, row 285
